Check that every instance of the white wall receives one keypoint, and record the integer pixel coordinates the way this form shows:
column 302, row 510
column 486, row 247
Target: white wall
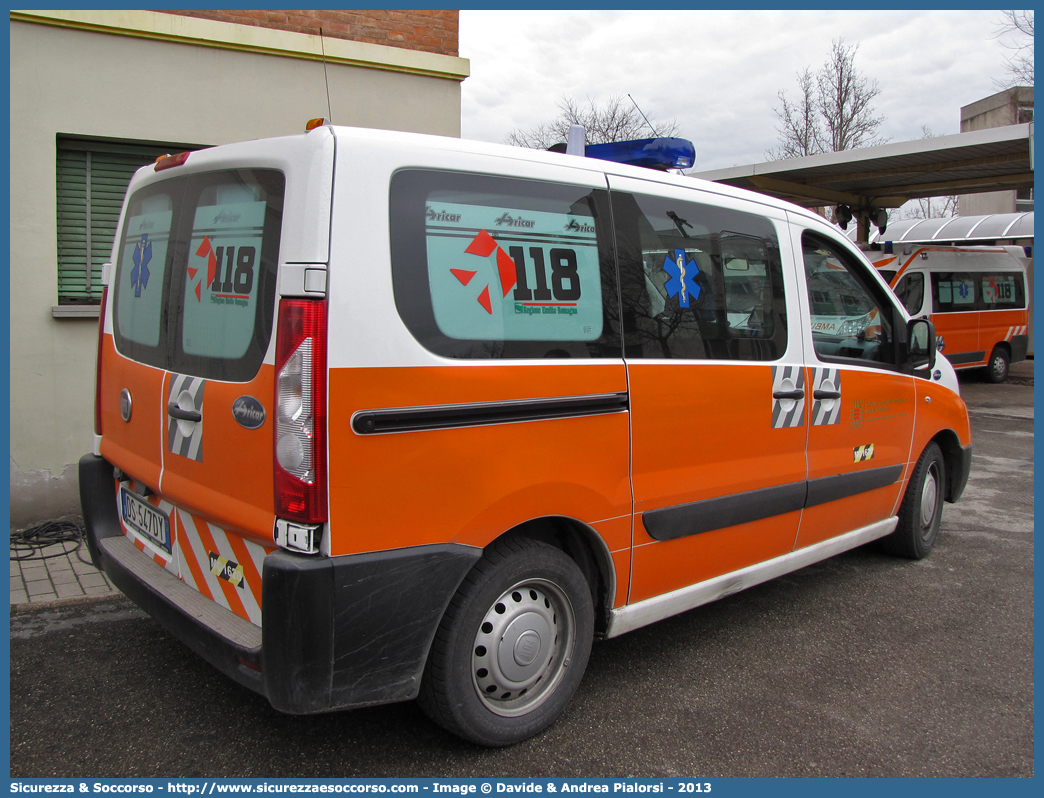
column 128, row 86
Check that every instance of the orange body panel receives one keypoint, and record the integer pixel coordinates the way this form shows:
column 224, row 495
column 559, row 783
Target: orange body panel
column 960, row 333
column 232, row 484
column 997, row 326
column 877, row 409
column 937, row 409
column 704, row 431
column 616, row 532
column 663, row 566
column 131, row 445
column 469, row 485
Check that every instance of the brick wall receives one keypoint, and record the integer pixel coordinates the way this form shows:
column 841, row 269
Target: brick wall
column 430, row 31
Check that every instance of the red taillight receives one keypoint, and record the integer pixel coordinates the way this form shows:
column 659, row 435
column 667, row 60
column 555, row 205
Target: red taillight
column 167, row 161
column 98, row 364
column 300, row 402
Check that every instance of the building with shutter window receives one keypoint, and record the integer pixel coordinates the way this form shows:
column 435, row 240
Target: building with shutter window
column 97, row 94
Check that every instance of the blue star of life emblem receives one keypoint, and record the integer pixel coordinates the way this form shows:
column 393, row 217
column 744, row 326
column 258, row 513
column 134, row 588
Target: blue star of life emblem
column 683, row 277
column 140, row 272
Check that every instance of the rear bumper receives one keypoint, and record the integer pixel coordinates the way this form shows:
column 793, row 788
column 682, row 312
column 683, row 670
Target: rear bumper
column 337, row 632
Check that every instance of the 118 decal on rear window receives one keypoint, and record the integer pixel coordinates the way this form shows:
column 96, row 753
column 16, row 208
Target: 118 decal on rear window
column 221, row 290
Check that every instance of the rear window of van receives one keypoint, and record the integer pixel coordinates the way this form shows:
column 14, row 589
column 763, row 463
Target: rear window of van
column 196, row 273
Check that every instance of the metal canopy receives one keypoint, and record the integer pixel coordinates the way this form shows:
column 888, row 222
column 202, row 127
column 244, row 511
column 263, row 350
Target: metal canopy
column 886, row 176
column 959, row 229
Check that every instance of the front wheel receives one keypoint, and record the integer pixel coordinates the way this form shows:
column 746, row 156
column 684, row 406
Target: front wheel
column 921, row 511
column 512, row 647
column 997, row 369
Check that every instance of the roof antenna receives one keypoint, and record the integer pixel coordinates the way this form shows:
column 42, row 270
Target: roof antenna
column 629, row 97
column 577, row 142
column 329, row 109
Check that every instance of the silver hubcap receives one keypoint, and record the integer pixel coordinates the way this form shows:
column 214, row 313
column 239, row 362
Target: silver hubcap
column 929, row 495
column 998, row 366
column 523, row 647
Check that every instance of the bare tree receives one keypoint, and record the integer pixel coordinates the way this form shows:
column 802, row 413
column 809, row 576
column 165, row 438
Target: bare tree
column 845, row 102
column 931, row 208
column 834, row 111
column 798, row 121
column 1019, row 67
column 615, row 120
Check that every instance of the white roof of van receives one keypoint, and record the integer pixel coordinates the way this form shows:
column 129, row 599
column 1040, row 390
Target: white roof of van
column 449, row 144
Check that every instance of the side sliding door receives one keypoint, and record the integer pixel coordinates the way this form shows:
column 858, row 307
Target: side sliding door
column 717, row 389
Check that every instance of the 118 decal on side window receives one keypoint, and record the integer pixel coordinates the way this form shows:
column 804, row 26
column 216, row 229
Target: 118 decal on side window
column 565, row 282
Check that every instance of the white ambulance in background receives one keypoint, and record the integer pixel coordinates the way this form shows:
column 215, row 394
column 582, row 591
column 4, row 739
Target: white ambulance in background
column 977, row 298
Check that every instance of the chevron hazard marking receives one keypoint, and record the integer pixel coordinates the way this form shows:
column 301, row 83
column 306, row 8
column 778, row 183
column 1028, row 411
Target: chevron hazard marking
column 861, row 453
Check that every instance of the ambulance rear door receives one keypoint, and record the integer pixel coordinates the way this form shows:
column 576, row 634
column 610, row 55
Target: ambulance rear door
column 193, row 313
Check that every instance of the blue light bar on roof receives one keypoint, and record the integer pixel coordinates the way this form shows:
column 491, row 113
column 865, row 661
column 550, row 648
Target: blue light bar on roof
column 661, row 153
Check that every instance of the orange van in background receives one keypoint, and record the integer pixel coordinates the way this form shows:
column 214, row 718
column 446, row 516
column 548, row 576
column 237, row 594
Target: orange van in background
column 383, row 416
column 975, row 296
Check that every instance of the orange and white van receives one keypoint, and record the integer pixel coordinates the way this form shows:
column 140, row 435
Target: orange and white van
column 383, row 416
column 975, row 296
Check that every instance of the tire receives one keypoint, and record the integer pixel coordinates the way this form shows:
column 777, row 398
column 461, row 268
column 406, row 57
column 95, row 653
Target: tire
column 921, row 511
column 512, row 646
column 997, row 368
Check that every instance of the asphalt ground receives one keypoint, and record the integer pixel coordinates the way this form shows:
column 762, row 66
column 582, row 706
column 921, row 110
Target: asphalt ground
column 863, row 665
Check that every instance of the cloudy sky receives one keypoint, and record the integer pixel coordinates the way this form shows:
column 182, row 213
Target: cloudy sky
column 718, row 72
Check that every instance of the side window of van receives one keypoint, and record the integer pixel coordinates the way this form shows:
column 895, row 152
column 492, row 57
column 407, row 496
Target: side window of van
column 851, row 319
column 1003, row 291
column 698, row 281
column 910, row 291
column 489, row 267
column 953, row 292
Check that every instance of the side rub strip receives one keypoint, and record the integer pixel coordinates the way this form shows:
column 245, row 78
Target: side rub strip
column 670, row 523
column 412, row 419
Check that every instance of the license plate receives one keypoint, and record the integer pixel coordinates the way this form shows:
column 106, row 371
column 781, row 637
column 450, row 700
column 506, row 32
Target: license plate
column 145, row 519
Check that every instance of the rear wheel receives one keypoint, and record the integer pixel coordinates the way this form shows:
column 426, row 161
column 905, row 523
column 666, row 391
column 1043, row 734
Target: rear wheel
column 512, row 647
column 997, row 368
column 921, row 511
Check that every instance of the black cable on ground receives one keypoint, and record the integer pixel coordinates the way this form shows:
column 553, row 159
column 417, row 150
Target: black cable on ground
column 29, row 544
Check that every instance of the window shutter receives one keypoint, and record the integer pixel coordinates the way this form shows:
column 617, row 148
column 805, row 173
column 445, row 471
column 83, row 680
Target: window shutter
column 92, row 177
column 72, row 227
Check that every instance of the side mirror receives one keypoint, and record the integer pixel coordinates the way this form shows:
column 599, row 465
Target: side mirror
column 921, row 347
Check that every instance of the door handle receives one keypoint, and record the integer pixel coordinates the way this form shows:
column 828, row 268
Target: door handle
column 826, row 394
column 798, row 394
column 183, row 415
